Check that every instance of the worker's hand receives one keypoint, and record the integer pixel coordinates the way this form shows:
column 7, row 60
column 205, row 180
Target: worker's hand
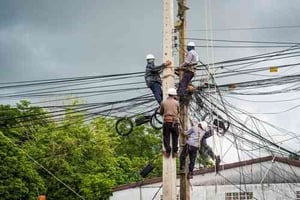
column 168, row 63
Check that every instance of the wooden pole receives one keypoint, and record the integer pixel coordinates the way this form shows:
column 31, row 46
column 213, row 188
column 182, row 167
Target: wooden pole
column 169, row 164
column 184, row 182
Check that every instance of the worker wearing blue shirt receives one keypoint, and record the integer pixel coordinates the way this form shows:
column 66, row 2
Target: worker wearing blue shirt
column 196, row 141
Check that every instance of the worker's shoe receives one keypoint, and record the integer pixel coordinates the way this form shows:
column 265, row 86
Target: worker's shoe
column 218, row 160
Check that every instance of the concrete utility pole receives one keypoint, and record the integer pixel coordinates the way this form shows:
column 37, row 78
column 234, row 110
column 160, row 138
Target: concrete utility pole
column 181, row 27
column 169, row 164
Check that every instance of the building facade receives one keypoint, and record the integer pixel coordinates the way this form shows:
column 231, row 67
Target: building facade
column 268, row 178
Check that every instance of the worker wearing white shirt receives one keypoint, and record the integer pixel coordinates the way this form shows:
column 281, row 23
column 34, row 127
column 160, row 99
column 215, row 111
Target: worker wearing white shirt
column 189, row 69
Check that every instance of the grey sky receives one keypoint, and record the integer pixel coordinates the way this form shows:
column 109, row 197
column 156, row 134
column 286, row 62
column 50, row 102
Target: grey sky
column 42, row 39
column 75, row 37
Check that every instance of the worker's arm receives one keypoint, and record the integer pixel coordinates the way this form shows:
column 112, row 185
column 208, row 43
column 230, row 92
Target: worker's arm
column 159, row 68
column 188, row 60
column 190, row 131
column 208, row 134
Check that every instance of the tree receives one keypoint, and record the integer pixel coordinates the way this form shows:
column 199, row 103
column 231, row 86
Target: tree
column 87, row 156
column 21, row 122
column 19, row 178
column 142, row 146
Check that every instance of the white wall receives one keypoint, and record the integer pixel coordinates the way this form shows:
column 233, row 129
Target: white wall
column 266, row 192
column 280, row 181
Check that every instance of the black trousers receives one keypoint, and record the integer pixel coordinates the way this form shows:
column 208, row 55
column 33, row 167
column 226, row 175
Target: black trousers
column 156, row 90
column 170, row 129
column 184, row 82
column 205, row 150
column 192, row 152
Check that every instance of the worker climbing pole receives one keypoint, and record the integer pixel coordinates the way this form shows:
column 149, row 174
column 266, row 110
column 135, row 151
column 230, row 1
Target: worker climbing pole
column 185, row 75
column 186, row 72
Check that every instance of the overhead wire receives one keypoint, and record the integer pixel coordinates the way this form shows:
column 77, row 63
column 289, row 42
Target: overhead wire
column 36, row 92
column 249, row 28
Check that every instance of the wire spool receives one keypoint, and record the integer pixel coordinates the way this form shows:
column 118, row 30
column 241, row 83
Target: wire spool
column 156, row 120
column 155, row 123
column 124, row 126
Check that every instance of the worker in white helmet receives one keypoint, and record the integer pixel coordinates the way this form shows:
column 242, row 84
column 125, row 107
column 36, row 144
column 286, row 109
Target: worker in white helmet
column 170, row 111
column 152, row 76
column 188, row 67
column 196, row 141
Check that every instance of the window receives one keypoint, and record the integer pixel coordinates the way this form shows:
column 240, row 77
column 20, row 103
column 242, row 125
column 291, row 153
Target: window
column 297, row 195
column 239, row 195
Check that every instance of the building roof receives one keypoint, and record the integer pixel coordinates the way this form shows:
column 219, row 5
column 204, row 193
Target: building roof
column 295, row 163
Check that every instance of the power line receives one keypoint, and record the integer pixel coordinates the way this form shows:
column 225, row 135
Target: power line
column 240, row 46
column 243, row 41
column 247, row 28
column 63, row 80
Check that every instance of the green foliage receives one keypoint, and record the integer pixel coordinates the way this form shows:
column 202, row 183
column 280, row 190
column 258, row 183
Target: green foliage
column 19, row 178
column 21, row 122
column 89, row 157
column 205, row 160
column 142, row 146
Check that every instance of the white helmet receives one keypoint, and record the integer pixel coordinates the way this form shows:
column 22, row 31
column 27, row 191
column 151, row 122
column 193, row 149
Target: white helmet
column 203, row 124
column 191, row 44
column 172, row 91
column 150, row 56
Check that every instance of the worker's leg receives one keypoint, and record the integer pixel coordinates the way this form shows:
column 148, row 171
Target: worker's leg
column 166, row 136
column 157, row 92
column 214, row 157
column 175, row 134
column 193, row 156
column 187, row 77
column 202, row 150
column 209, row 152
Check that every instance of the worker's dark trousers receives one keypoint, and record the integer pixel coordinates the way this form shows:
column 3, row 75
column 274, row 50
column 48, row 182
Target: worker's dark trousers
column 205, row 150
column 156, row 90
column 170, row 129
column 192, row 152
column 184, row 82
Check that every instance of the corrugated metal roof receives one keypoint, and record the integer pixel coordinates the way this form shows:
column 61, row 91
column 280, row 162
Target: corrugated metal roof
column 248, row 172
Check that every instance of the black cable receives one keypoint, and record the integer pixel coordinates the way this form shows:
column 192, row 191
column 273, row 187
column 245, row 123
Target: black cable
column 249, row 28
column 242, row 41
column 62, row 80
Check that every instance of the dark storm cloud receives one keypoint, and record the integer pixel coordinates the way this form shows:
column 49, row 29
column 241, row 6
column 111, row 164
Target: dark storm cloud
column 48, row 14
column 77, row 37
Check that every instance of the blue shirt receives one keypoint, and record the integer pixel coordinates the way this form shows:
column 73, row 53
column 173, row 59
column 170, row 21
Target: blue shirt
column 153, row 72
column 197, row 136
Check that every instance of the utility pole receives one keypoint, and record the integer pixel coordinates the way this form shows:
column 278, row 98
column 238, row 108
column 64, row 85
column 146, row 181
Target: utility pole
column 181, row 27
column 169, row 164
